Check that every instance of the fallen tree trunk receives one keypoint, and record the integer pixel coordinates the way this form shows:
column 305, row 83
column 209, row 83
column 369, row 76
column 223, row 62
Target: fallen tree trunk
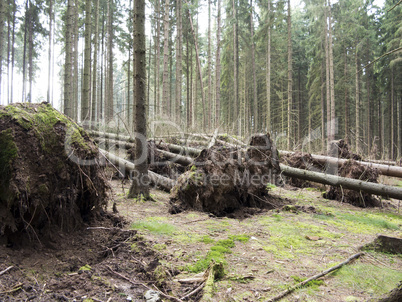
column 177, row 158
column 181, row 149
column 119, row 144
column 348, row 183
column 384, row 169
column 158, row 180
column 111, row 136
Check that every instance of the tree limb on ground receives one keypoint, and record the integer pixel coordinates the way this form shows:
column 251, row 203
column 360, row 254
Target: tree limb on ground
column 326, row 272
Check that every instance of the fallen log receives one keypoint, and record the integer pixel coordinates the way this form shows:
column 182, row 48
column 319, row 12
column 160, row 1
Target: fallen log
column 181, row 149
column 348, row 183
column 111, row 136
column 156, row 179
column 384, row 169
column 117, row 143
column 177, row 158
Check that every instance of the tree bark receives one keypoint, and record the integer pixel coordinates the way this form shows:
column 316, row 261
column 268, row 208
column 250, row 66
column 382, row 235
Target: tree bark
column 179, row 72
column 255, row 96
column 327, row 78
column 95, row 101
column 290, row 79
column 68, row 98
column 49, row 68
column 331, row 74
column 357, row 99
column 268, row 75
column 347, row 183
column 2, row 22
column 140, row 184
column 218, row 68
column 165, row 83
column 86, row 87
column 235, row 67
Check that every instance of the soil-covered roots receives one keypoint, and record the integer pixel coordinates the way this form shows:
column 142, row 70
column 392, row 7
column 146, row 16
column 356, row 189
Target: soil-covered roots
column 50, row 175
column 340, row 149
column 223, row 180
column 352, row 169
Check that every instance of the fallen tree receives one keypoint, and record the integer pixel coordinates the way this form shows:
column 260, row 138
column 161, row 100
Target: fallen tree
column 394, row 171
column 50, row 175
column 156, row 179
column 353, row 184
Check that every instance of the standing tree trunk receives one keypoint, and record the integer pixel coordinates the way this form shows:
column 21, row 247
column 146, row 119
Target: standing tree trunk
column 179, row 60
column 290, row 80
column 345, row 79
column 95, row 104
column 9, row 28
column 391, row 113
column 75, row 61
column 327, row 78
column 331, row 74
column 199, row 70
column 49, row 67
column 157, row 58
column 210, row 98
column 2, row 21
column 68, row 67
column 30, row 50
column 235, row 67
column 357, row 104
column 218, row 67
column 109, row 104
column 12, row 55
column 86, row 87
column 322, row 107
column 255, row 97
column 24, row 69
column 140, row 184
column 268, row 74
column 165, row 80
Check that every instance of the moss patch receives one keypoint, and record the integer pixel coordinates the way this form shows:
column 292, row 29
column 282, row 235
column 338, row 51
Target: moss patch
column 8, row 152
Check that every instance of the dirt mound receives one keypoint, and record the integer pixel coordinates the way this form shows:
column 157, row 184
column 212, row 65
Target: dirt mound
column 50, row 178
column 352, row 169
column 303, row 161
column 224, row 180
column 341, row 149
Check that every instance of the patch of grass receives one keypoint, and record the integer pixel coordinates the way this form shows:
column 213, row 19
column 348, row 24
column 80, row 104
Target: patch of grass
column 241, row 238
column 314, row 284
column 369, row 220
column 159, row 247
column 207, row 239
column 155, row 227
column 86, row 267
column 221, row 249
column 368, row 278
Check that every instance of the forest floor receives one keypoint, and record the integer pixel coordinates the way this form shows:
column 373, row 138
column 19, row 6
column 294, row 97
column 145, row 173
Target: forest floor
column 264, row 252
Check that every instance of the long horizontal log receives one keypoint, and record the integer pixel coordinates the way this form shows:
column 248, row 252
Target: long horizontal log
column 181, row 149
column 117, row 143
column 384, row 169
column 111, row 136
column 348, row 183
column 158, row 180
column 180, row 159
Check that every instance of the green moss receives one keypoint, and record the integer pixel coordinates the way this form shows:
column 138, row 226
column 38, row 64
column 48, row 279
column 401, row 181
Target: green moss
column 86, row 267
column 159, row 246
column 241, row 238
column 8, row 152
column 42, row 119
column 207, row 239
column 221, row 249
column 154, row 227
column 314, row 284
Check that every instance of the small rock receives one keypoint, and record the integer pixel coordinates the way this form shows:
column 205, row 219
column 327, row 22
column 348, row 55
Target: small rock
column 152, row 296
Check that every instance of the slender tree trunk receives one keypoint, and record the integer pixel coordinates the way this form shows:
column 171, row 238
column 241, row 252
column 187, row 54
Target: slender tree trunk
column 357, row 99
column 11, row 100
column 68, row 98
column 157, row 59
column 199, row 70
column 235, row 66
column 165, row 83
column 368, row 113
column 75, row 61
column 323, row 107
column 210, row 98
column 140, row 184
column 86, row 88
column 110, row 99
column 327, row 78
column 9, row 28
column 345, row 76
column 391, row 113
column 2, row 40
column 188, row 84
column 95, row 101
column 49, row 68
column 218, row 67
column 30, row 51
column 255, row 96
column 268, row 74
column 290, row 79
column 331, row 74
column 179, row 60
column 27, row 17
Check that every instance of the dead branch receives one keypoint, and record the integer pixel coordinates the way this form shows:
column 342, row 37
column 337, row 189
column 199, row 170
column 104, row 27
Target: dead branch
column 326, row 272
column 6, row 270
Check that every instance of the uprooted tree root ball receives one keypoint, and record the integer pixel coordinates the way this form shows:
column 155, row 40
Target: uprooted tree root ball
column 50, row 175
column 354, row 170
column 223, row 180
